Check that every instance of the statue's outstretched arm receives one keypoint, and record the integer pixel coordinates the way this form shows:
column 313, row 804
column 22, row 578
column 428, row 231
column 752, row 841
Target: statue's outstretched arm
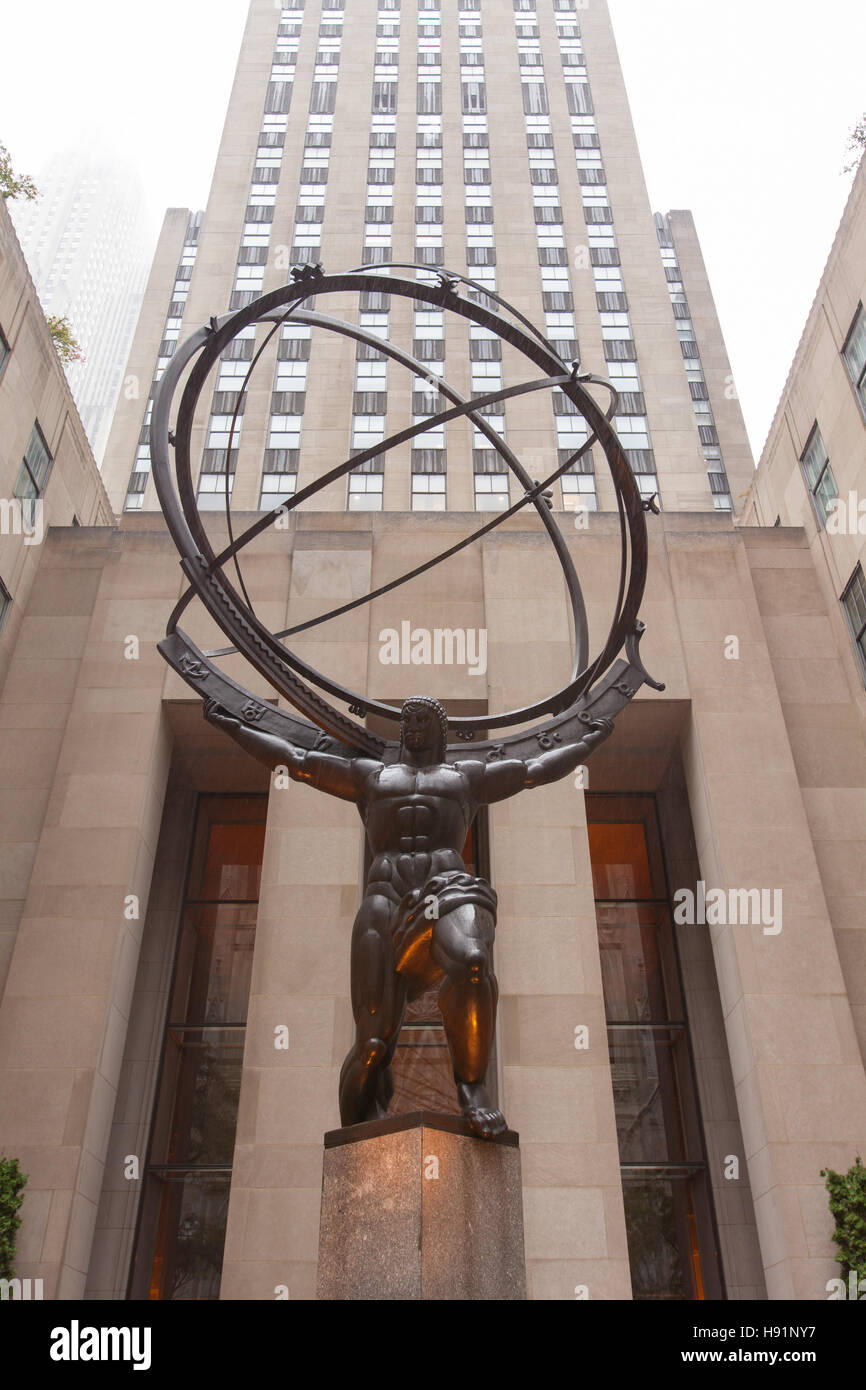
column 341, row 777
column 510, row 776
column 549, row 767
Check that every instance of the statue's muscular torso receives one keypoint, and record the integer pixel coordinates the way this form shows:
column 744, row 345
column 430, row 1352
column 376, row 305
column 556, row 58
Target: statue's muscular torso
column 417, row 813
column 416, row 820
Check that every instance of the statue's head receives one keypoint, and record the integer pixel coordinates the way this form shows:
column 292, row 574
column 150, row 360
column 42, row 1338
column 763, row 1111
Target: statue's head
column 424, row 727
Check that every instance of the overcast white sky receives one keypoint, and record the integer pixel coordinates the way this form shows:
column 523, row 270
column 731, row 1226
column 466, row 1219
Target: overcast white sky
column 742, row 110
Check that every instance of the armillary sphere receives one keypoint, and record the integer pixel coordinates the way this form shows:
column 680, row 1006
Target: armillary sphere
column 599, row 685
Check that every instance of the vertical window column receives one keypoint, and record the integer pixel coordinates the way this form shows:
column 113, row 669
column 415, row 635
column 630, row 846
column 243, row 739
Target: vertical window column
column 219, row 462
column 288, row 395
column 429, row 456
column 282, row 453
column 631, row 421
column 578, row 485
column 171, row 332
column 854, row 353
column 854, row 606
column 33, row 474
column 704, row 418
column 490, row 475
column 819, row 475
column 370, row 400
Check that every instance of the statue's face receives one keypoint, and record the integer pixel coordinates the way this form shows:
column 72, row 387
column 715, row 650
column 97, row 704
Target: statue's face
column 419, row 728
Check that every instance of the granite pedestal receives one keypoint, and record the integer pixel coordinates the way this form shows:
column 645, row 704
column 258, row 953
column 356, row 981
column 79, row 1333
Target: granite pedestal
column 416, row 1207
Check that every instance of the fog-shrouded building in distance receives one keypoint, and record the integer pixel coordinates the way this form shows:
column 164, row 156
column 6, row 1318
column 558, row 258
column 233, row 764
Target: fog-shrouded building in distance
column 680, row 1067
column 87, row 245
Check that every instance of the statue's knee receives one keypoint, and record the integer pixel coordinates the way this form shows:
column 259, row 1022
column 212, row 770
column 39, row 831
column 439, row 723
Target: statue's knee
column 371, row 1052
column 477, row 964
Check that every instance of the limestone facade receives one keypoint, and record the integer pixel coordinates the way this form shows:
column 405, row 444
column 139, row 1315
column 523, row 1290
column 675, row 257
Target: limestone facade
column 779, row 1072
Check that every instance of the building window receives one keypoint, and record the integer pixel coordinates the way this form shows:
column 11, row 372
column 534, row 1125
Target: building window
column 819, row 475
column 535, row 99
column 579, row 99
column 136, row 490
column 276, row 488
column 181, row 1237
column 428, row 492
column 34, row 471
column 578, row 492
column 854, row 604
column 485, row 350
column 5, row 604
column 491, row 492
column 323, row 97
column 854, row 353
column 279, row 98
column 648, row 487
column 429, row 98
column 366, row 492
column 384, row 96
column 669, row 1219
column 474, row 97
column 212, row 491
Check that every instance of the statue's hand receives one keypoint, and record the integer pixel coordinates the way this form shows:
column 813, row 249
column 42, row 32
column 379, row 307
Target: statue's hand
column 215, row 714
column 602, row 725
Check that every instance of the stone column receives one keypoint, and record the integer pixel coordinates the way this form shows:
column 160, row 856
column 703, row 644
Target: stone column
column 558, row 1098
column 798, row 1073
column 311, row 879
column 95, row 741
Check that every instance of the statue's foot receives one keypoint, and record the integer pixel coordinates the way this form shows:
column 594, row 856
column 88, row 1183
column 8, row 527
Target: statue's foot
column 485, row 1123
column 482, row 1117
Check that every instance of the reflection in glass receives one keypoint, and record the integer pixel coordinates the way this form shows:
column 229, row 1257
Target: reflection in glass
column 669, row 1221
column 647, row 1065
column 638, row 962
column 214, row 964
column 182, row 1227
column 192, row 1223
column 664, row 1257
column 203, row 1070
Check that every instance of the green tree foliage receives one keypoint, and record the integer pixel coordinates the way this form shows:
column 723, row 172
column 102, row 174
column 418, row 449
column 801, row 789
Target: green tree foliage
column 14, row 185
column 848, row 1205
column 12, row 1184
column 68, row 346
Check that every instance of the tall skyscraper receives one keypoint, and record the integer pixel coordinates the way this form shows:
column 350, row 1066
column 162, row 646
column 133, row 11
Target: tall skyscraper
column 493, row 142
column 86, row 244
column 679, row 1040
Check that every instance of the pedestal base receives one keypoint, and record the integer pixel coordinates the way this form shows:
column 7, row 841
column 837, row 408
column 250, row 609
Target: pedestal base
column 416, row 1207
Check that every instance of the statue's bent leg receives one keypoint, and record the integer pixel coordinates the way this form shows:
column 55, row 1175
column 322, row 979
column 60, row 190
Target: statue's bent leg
column 378, row 1003
column 461, row 946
